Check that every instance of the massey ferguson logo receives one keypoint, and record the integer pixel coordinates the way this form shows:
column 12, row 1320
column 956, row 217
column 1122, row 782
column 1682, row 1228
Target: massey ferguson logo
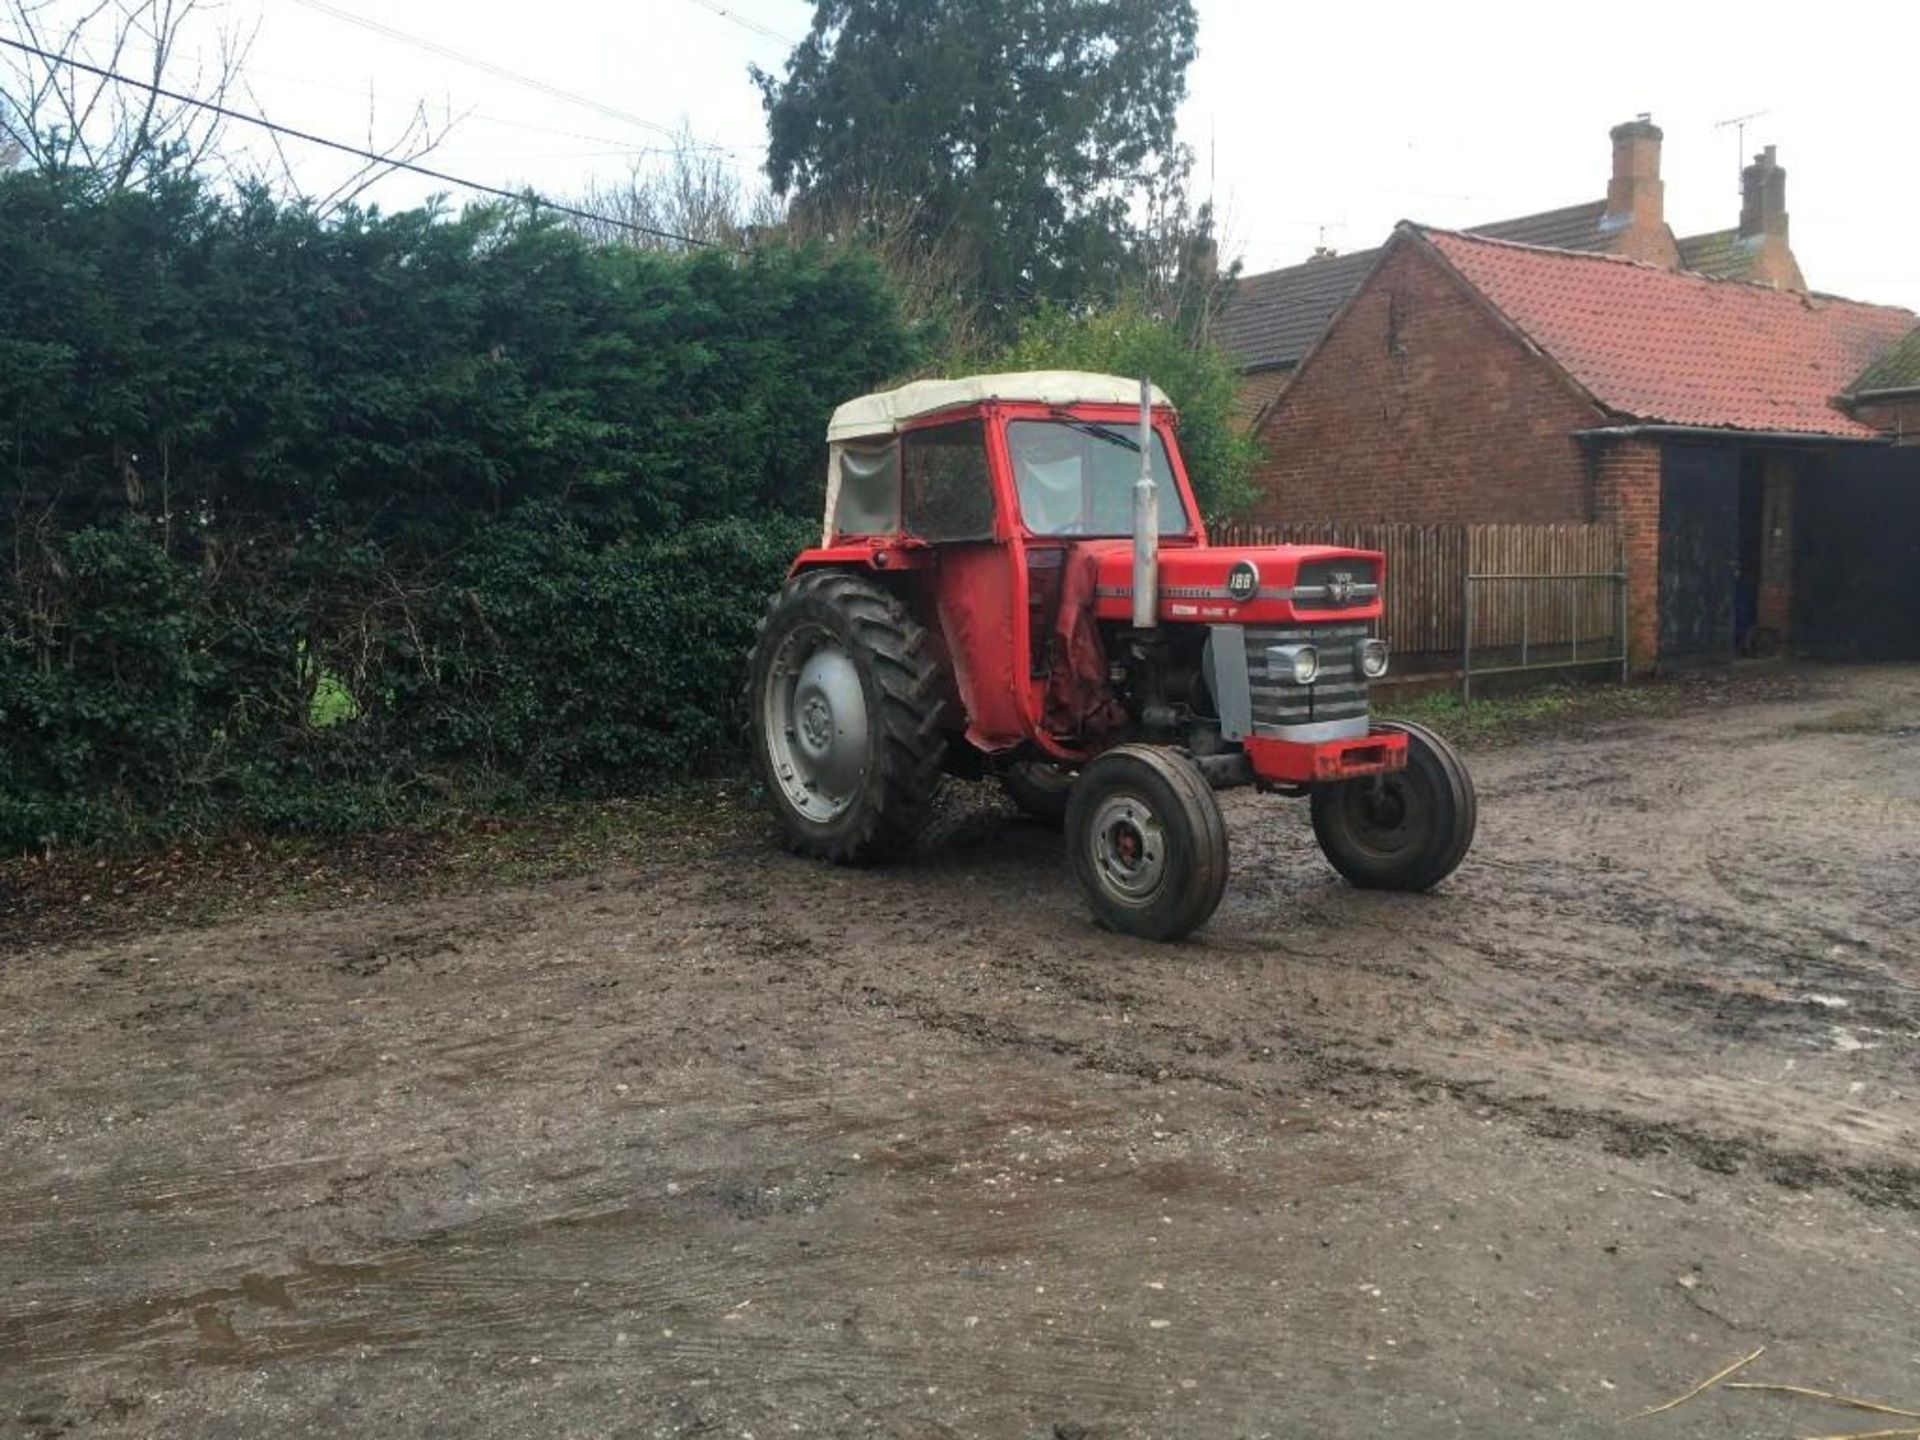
column 1243, row 581
column 1340, row 587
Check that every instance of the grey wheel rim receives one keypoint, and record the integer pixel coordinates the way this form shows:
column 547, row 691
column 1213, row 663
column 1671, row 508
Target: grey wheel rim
column 815, row 716
column 1129, row 845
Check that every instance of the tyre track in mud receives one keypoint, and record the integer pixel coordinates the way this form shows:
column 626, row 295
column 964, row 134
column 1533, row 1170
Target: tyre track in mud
column 1649, row 1005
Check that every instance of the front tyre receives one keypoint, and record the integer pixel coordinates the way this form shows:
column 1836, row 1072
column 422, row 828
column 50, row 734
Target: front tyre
column 843, row 700
column 1407, row 830
column 1148, row 843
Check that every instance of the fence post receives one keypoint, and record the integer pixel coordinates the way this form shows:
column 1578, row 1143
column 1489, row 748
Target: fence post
column 1579, row 612
column 1621, row 581
column 1526, row 617
column 1466, row 636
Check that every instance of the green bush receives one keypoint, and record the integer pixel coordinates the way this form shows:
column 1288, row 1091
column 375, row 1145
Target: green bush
column 315, row 524
column 1198, row 379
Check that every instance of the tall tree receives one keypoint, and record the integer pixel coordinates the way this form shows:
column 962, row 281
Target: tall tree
column 1031, row 137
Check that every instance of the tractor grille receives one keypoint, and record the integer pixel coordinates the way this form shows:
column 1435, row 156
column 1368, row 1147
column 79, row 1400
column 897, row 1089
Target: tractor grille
column 1336, row 584
column 1339, row 694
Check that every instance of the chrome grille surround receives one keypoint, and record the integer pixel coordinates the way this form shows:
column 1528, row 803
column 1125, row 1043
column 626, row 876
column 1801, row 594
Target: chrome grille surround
column 1333, row 707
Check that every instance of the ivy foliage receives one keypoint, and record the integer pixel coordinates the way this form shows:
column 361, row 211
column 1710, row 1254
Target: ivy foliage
column 311, row 524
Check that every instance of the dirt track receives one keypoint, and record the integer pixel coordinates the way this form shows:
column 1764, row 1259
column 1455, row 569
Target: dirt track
column 738, row 1145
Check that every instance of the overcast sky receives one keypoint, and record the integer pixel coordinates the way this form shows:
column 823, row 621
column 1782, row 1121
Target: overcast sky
column 1307, row 120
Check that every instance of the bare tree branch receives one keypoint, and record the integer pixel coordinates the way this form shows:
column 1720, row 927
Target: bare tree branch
column 690, row 192
column 290, row 183
column 415, row 140
column 61, row 117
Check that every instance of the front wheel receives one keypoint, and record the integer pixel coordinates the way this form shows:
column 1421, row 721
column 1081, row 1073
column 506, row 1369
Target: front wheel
column 1148, row 842
column 1407, row 830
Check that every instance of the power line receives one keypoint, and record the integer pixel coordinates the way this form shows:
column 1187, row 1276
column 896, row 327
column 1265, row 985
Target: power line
column 573, row 97
column 245, row 118
column 487, row 117
column 746, row 24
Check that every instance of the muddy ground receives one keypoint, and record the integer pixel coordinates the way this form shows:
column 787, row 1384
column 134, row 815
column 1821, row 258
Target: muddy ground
column 726, row 1143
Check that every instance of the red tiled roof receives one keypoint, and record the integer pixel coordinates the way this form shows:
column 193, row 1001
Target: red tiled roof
column 1273, row 319
column 1682, row 349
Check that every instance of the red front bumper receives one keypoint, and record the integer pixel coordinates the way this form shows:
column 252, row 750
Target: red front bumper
column 1292, row 763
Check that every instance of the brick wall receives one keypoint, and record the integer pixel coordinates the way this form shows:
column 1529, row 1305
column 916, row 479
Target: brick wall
column 1256, row 394
column 1779, row 475
column 1420, row 407
column 1626, row 493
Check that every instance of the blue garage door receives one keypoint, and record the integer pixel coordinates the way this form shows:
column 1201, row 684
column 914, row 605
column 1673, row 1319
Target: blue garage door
column 1856, row 564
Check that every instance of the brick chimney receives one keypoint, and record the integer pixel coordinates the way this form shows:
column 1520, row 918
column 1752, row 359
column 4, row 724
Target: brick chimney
column 1636, row 197
column 1763, row 223
column 1763, row 197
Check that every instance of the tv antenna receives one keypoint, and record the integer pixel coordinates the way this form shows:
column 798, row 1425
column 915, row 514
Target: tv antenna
column 1739, row 124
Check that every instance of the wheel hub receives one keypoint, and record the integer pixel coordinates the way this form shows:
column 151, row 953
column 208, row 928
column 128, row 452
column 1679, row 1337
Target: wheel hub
column 1386, row 805
column 1388, row 815
column 816, row 723
column 815, row 714
column 1129, row 848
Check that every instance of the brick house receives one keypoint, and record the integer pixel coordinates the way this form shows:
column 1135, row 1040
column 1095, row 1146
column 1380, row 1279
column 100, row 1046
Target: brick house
column 1274, row 318
column 1475, row 381
column 1576, row 368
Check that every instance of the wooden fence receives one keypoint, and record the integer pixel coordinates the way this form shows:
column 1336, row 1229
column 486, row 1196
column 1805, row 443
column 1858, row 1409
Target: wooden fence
column 1427, row 569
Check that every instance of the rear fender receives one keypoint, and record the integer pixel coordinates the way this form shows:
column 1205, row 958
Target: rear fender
column 876, row 556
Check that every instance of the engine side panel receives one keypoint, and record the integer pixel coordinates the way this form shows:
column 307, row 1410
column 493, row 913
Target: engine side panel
column 974, row 605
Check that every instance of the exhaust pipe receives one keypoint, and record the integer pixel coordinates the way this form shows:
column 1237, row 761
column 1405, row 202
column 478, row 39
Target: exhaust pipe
column 1146, row 523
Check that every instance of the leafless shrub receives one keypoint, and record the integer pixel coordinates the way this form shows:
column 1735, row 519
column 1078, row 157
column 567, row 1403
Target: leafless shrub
column 688, row 195
column 57, row 115
column 417, row 138
column 1180, row 277
column 932, row 273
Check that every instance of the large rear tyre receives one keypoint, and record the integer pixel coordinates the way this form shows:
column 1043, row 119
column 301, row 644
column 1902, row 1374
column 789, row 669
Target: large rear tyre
column 844, row 713
column 1148, row 843
column 1408, row 830
column 1040, row 790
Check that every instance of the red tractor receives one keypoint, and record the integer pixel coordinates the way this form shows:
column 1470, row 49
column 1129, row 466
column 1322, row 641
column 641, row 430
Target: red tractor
column 1015, row 581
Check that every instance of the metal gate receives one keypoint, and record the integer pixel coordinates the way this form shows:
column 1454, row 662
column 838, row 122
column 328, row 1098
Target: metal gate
column 1545, row 621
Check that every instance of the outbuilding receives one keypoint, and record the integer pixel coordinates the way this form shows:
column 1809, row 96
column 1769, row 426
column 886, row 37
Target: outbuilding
column 1736, row 433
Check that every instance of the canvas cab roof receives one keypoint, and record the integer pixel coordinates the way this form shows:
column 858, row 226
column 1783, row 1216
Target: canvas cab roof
column 884, row 412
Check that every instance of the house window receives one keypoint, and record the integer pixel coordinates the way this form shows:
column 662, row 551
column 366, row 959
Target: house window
column 948, row 493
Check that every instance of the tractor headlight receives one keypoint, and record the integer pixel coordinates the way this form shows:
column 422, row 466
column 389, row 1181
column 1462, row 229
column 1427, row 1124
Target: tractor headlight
column 1298, row 663
column 1371, row 657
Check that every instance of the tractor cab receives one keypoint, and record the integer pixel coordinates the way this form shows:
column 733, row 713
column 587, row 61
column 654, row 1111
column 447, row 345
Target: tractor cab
column 1014, row 579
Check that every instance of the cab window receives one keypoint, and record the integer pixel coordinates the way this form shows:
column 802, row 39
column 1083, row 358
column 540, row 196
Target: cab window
column 948, row 494
column 866, row 487
column 1076, row 477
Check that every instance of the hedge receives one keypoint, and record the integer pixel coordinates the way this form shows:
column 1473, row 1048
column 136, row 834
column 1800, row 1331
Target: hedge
column 314, row 524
